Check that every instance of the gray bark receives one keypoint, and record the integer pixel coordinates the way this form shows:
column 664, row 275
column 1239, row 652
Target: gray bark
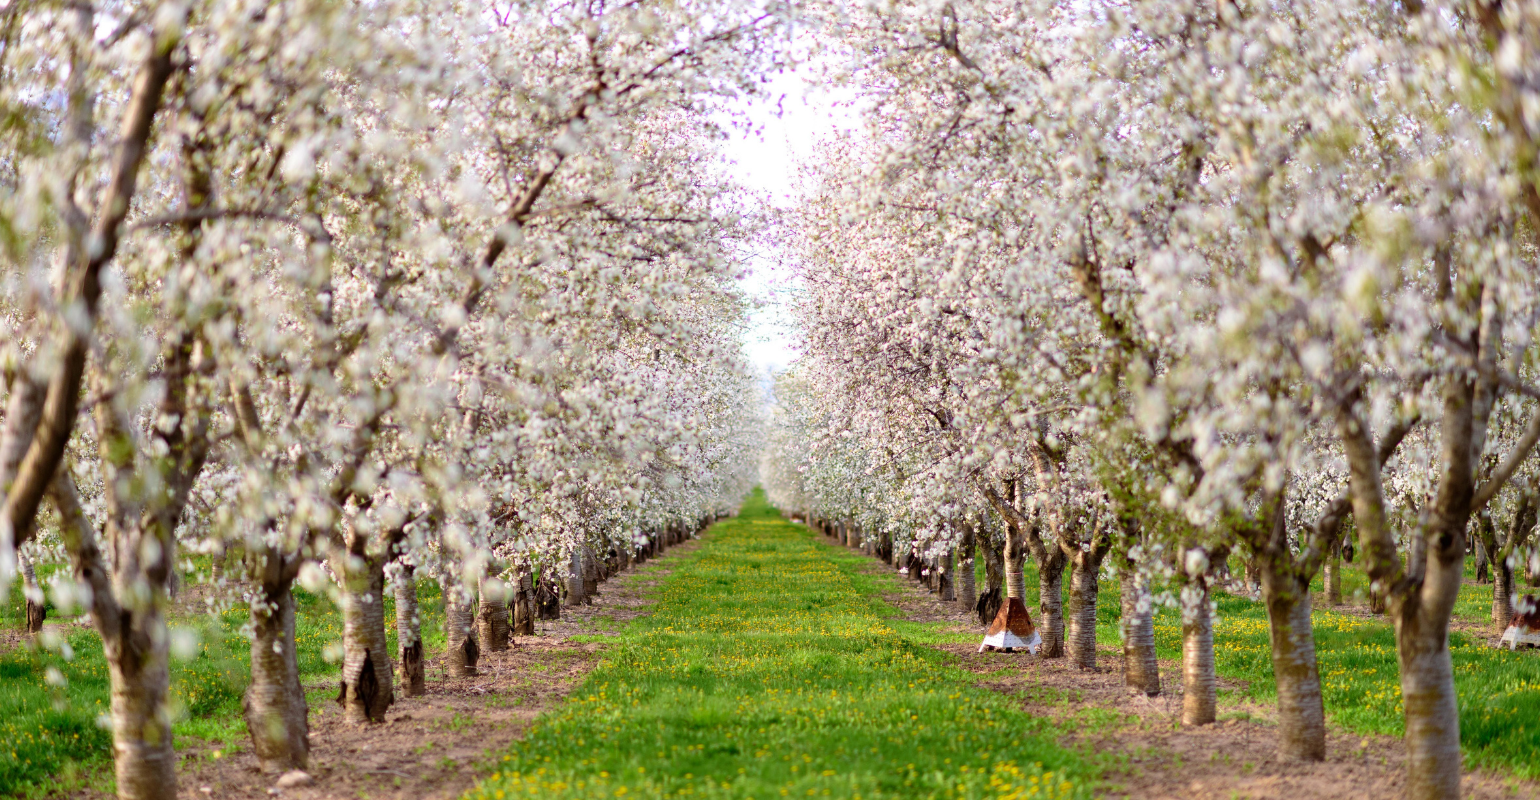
column 590, row 575
column 1333, row 579
column 31, row 592
column 274, row 704
column 1083, row 592
column 492, row 619
column 461, row 650
column 1483, row 562
column 524, row 605
column 1502, row 594
column 575, row 583
column 414, row 680
column 1301, row 716
column 1050, row 606
column 135, row 641
column 1199, row 698
column 967, row 580
column 367, row 675
column 1137, row 621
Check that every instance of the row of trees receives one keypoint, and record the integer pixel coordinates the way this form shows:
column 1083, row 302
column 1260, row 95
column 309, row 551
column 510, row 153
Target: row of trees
column 329, row 292
column 1166, row 283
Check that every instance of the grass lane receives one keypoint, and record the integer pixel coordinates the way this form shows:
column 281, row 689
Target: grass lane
column 770, row 668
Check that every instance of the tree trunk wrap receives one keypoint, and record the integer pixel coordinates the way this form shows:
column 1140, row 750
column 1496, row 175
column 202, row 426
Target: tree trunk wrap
column 1301, row 715
column 1137, row 623
column 1050, row 585
column 461, row 650
column 367, row 674
column 414, row 681
column 277, row 716
column 1083, row 590
column 1199, row 684
column 492, row 619
column 140, row 674
column 1502, row 594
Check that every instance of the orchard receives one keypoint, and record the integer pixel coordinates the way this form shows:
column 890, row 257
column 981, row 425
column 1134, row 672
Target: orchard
column 1179, row 353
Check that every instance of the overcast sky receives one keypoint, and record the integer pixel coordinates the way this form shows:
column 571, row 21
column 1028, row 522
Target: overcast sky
column 786, row 128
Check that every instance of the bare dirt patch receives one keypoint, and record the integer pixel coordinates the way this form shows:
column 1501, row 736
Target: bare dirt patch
column 1158, row 759
column 437, row 746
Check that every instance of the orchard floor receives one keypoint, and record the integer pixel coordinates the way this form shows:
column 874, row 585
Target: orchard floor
column 439, row 745
column 1147, row 752
column 777, row 664
column 764, row 661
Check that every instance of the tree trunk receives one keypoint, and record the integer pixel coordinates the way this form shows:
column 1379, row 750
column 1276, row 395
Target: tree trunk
column 1083, row 590
column 1376, row 600
column 1050, row 605
column 137, row 664
column 967, row 581
column 1333, row 578
column 274, row 704
column 524, row 605
column 590, row 575
column 1199, row 684
column 461, row 650
column 1140, row 669
column 1301, row 716
column 1483, row 564
column 547, row 595
column 1502, row 594
column 492, row 621
column 32, row 593
column 367, row 676
column 1432, row 716
column 575, row 582
column 414, row 680
column 135, row 641
column 948, row 578
column 994, row 566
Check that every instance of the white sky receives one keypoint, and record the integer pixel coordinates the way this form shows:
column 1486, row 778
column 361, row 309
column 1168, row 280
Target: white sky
column 786, row 128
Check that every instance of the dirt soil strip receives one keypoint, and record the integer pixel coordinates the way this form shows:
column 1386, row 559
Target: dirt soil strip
column 437, row 746
column 1235, row 758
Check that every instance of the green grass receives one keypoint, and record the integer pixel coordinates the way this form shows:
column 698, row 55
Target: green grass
column 1499, row 691
column 770, row 668
column 51, row 737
